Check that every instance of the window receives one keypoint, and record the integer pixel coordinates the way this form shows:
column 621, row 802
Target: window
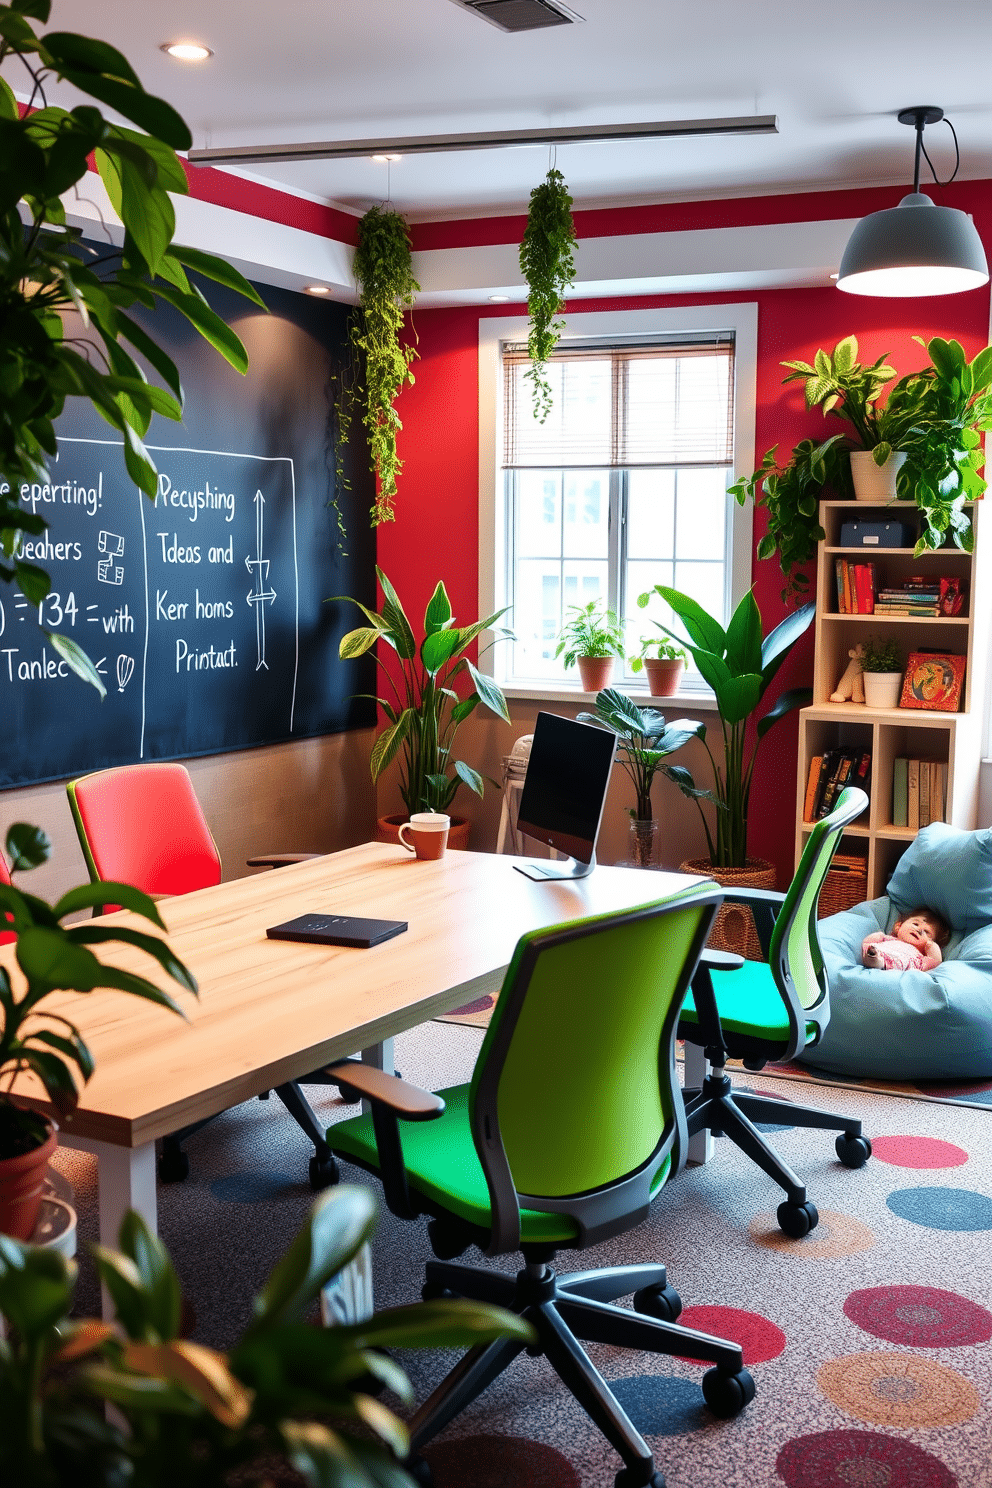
column 624, row 486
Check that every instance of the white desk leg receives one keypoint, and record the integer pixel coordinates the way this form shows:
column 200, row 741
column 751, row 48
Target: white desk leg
column 697, row 1067
column 126, row 1178
column 380, row 1056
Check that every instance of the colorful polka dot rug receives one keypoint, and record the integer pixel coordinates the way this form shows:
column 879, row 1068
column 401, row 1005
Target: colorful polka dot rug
column 868, row 1340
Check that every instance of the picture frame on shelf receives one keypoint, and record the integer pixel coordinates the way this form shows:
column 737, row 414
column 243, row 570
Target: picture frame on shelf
column 933, row 680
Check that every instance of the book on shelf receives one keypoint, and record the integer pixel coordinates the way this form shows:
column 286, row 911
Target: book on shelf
column 919, row 792
column 856, row 584
column 829, row 773
column 859, row 593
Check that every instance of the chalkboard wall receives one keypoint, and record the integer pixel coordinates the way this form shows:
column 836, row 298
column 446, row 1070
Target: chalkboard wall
column 204, row 611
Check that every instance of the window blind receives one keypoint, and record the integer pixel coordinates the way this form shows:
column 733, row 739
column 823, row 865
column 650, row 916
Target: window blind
column 663, row 404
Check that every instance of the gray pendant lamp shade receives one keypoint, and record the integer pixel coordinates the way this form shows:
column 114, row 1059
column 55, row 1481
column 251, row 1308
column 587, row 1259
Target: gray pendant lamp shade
column 916, row 248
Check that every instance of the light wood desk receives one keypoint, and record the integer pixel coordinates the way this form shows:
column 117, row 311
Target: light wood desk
column 271, row 1011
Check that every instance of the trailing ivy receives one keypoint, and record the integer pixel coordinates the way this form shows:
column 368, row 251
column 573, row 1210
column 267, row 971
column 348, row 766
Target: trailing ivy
column 384, row 271
column 548, row 265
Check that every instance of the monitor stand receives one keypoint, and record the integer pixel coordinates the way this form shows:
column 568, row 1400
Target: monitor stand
column 542, row 872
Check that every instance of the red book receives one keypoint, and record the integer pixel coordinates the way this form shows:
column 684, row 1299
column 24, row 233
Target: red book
column 863, row 588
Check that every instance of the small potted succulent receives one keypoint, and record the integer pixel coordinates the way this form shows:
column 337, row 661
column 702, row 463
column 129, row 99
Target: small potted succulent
column 593, row 637
column 881, row 666
column 34, row 1039
column 663, row 664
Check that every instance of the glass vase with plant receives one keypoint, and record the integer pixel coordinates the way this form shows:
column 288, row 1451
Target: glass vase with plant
column 591, row 633
column 424, row 710
column 740, row 666
column 932, row 419
column 882, row 668
column 51, row 957
column 662, row 662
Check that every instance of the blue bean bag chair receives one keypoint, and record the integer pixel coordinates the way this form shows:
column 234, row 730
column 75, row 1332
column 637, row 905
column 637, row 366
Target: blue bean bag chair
column 913, row 1025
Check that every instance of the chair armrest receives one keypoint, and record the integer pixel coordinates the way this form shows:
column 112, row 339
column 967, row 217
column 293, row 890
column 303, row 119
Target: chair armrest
column 281, row 860
column 720, row 960
column 753, row 896
column 408, row 1101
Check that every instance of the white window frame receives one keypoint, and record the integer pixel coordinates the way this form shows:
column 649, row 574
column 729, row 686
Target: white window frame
column 611, row 326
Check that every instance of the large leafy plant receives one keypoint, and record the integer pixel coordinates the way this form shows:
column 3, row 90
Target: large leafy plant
column 424, row 711
column 936, row 417
column 53, row 957
column 644, row 742
column 47, row 271
column 740, row 666
column 288, row 1392
column 547, row 262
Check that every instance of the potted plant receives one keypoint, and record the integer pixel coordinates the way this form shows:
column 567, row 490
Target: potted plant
column 47, row 270
column 289, row 1402
column 881, row 666
column 663, row 664
column 644, row 742
column 424, row 711
column 594, row 638
column 740, row 666
column 51, row 957
column 548, row 265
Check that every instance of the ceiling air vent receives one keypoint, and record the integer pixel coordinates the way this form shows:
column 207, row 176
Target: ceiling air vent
column 521, row 15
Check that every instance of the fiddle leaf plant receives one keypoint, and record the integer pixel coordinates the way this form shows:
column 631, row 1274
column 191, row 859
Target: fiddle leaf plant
column 53, row 957
column 64, row 303
column 387, row 288
column 644, row 742
column 424, row 711
column 548, row 264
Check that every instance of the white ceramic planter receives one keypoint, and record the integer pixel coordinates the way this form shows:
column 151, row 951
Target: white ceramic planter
column 882, row 689
column 873, row 482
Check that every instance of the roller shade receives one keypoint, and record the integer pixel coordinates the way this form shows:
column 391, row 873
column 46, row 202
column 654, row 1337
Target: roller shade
column 668, row 404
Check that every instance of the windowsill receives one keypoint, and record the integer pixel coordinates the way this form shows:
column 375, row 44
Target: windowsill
column 549, row 693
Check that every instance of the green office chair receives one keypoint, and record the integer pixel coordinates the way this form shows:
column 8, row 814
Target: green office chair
column 757, row 1011
column 570, row 1126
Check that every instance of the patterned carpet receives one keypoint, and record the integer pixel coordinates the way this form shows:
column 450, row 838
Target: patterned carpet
column 868, row 1341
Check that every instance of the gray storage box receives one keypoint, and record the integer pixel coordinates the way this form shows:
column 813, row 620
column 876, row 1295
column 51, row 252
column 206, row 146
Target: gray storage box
column 876, row 535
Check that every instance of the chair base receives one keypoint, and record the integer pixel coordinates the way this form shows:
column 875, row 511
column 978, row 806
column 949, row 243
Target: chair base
column 726, row 1112
column 562, row 1311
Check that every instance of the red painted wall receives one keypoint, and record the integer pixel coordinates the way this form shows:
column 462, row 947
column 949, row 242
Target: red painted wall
column 435, row 534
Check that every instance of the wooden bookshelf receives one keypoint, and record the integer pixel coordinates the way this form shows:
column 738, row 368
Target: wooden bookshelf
column 893, row 732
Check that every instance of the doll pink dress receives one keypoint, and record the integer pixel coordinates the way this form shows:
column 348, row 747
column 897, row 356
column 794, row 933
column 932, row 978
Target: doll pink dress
column 899, row 955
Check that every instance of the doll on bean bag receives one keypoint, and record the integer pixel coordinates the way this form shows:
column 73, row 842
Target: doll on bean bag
column 914, row 944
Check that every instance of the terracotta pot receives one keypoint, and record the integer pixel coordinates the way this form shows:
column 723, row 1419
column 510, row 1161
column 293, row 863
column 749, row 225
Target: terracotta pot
column 387, row 829
column 21, row 1182
column 873, row 482
column 734, row 929
column 663, row 675
column 595, row 672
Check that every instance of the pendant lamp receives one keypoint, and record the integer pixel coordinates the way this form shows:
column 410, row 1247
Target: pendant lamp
column 916, row 248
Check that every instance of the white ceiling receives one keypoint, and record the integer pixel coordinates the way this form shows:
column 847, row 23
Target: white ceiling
column 342, row 69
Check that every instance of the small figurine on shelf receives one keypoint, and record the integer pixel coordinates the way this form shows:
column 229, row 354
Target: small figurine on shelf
column 851, row 687
column 914, row 944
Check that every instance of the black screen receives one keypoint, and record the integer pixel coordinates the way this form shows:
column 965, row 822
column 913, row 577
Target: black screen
column 565, row 788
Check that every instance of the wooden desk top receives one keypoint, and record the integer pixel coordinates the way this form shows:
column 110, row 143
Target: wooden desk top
column 271, row 1011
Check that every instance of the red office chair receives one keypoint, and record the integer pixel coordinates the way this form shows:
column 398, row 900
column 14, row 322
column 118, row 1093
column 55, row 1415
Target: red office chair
column 142, row 825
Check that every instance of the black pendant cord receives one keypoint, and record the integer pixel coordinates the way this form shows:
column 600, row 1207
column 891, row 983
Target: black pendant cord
column 957, row 157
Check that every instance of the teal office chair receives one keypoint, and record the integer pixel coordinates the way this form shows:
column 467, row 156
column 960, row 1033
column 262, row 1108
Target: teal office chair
column 759, row 1011
column 570, row 1126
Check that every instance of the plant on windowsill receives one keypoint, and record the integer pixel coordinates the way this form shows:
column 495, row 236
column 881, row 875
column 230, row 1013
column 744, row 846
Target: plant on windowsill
column 47, row 271
column 662, row 663
column 882, row 670
column 51, row 957
column 592, row 637
column 425, row 711
column 547, row 263
column 926, row 436
column 289, row 1402
column 644, row 742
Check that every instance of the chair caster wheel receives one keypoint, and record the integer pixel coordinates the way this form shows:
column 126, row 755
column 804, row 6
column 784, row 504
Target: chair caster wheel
column 659, row 1302
column 323, row 1173
column 431, row 1291
column 633, row 1477
column 796, row 1220
column 726, row 1394
column 420, row 1470
column 853, row 1152
column 173, row 1166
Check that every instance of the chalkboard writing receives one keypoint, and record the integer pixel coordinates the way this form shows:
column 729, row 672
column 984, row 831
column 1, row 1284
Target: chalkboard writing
column 203, row 609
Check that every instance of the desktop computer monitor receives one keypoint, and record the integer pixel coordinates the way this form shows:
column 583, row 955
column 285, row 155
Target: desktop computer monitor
column 564, row 792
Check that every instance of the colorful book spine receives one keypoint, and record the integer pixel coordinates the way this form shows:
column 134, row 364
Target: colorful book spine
column 812, row 781
column 900, row 817
column 913, row 795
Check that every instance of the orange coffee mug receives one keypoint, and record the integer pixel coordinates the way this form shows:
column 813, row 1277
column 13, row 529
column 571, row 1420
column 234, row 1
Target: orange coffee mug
column 429, row 831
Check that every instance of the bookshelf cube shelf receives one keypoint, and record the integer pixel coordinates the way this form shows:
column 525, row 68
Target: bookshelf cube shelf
column 955, row 739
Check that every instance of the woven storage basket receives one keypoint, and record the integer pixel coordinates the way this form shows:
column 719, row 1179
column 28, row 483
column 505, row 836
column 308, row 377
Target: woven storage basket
column 845, row 885
column 734, row 928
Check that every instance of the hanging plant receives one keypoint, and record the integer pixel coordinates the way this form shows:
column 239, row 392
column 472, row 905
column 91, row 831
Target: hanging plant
column 548, row 265
column 384, row 272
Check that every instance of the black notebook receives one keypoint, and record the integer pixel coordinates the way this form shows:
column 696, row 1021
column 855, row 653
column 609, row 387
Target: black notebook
column 341, row 930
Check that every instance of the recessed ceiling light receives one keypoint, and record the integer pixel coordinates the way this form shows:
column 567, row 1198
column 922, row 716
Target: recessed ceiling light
column 317, row 289
column 499, row 299
column 386, row 159
column 186, row 51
